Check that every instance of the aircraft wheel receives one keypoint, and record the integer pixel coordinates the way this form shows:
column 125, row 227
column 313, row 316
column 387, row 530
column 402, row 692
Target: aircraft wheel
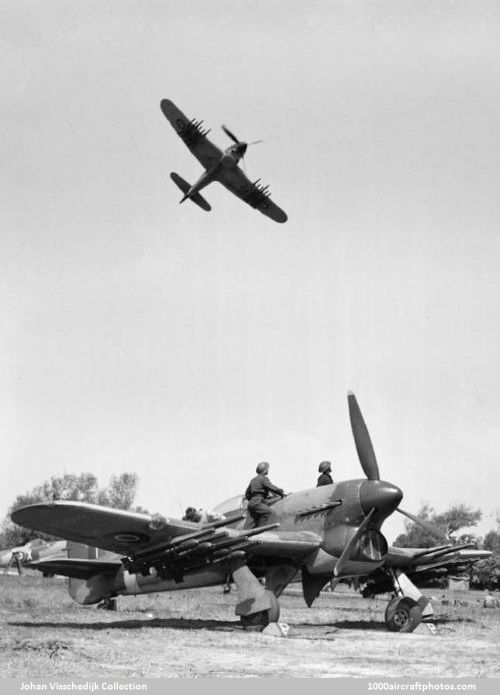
column 402, row 614
column 256, row 622
column 107, row 604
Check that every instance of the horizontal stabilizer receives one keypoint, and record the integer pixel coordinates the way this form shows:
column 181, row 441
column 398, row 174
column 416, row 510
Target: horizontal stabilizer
column 184, row 186
column 73, row 567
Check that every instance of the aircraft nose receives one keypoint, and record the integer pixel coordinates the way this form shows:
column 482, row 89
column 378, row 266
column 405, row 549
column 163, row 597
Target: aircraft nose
column 385, row 497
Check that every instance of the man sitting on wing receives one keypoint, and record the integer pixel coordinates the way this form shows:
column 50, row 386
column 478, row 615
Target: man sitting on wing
column 257, row 492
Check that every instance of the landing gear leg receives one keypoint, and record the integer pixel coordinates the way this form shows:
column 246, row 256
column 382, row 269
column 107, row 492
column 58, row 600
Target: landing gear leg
column 227, row 586
column 256, row 606
column 408, row 607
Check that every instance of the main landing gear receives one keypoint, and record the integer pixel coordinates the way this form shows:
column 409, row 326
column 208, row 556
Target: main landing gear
column 258, row 606
column 256, row 622
column 402, row 614
column 406, row 610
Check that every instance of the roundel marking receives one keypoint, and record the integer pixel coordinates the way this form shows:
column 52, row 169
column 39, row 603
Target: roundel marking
column 127, row 537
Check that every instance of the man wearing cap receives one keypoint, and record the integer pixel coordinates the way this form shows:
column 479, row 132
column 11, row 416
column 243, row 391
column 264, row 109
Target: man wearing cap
column 325, row 468
column 257, row 492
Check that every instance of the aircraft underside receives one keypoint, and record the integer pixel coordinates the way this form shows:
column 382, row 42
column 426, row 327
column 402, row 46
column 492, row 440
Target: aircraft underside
column 257, row 604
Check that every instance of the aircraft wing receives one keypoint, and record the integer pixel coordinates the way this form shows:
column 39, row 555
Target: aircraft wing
column 122, row 532
column 236, row 182
column 285, row 544
column 76, row 567
column 192, row 134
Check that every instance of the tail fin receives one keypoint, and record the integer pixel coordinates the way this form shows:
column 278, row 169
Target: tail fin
column 184, row 186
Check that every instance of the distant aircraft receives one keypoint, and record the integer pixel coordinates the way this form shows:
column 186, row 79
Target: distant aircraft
column 325, row 532
column 34, row 550
column 220, row 166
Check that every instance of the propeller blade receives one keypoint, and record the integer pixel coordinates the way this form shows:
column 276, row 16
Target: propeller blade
column 18, row 565
column 255, row 142
column 230, row 135
column 346, row 553
column 364, row 447
column 427, row 525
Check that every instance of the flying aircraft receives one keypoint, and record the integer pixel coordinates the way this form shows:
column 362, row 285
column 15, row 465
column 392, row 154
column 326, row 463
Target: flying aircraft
column 34, row 550
column 219, row 166
column 326, row 532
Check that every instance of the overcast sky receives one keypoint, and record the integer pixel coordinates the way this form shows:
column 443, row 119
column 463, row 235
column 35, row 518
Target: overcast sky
column 145, row 336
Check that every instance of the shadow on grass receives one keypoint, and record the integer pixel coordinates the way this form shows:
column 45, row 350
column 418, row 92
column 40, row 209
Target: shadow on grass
column 360, row 625
column 172, row 623
column 190, row 624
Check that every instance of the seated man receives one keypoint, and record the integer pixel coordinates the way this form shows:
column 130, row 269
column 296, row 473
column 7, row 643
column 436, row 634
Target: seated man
column 200, row 516
column 192, row 514
column 325, row 468
column 257, row 492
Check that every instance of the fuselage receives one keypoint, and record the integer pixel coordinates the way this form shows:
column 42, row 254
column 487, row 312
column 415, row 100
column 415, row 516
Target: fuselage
column 229, row 160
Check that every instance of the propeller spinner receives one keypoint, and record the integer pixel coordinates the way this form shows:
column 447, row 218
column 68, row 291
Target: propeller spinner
column 241, row 147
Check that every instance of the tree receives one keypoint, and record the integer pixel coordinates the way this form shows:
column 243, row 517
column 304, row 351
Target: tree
column 492, row 542
column 448, row 522
column 120, row 493
column 486, row 573
column 457, row 517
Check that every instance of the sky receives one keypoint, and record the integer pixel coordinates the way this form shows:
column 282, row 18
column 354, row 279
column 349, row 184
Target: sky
column 141, row 335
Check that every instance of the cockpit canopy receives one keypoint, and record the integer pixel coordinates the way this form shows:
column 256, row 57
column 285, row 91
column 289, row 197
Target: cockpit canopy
column 233, row 504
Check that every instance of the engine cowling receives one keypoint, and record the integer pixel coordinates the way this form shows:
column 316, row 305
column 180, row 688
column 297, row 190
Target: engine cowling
column 368, row 553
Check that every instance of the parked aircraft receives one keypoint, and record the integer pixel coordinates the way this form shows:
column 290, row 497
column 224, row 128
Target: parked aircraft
column 34, row 550
column 219, row 166
column 327, row 532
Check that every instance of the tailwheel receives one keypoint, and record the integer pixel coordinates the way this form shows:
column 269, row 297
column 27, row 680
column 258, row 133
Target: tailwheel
column 256, row 622
column 402, row 614
column 107, row 604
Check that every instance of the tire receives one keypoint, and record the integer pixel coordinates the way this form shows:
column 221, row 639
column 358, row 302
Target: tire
column 402, row 614
column 256, row 622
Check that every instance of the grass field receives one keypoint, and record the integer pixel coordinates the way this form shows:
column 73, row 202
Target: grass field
column 195, row 633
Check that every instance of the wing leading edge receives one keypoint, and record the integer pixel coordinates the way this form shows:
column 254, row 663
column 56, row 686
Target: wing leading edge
column 192, row 134
column 120, row 531
column 252, row 194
